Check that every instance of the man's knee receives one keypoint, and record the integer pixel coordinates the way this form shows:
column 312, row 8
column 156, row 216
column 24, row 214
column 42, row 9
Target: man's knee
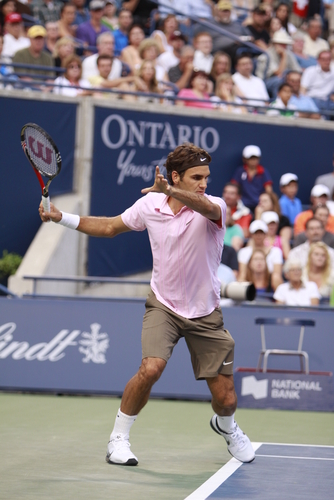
column 151, row 369
column 222, row 390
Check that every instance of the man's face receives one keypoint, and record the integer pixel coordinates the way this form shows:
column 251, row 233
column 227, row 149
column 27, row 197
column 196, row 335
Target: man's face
column 314, row 231
column 14, row 29
column 96, row 15
column 104, row 67
column 294, row 81
column 224, row 16
column 68, row 14
column 231, row 196
column 314, row 29
column 186, row 57
column 204, row 44
column 125, row 20
column 322, row 214
column 291, row 189
column 285, row 94
column 177, row 44
column 324, row 60
column 106, row 47
column 52, row 30
column 245, row 66
column 195, row 179
column 319, row 200
column 252, row 162
column 37, row 44
column 259, row 19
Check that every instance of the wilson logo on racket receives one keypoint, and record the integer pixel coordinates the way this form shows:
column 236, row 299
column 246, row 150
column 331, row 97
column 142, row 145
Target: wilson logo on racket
column 40, row 151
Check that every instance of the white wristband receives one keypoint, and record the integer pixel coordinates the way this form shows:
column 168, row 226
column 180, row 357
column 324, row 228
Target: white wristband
column 69, row 220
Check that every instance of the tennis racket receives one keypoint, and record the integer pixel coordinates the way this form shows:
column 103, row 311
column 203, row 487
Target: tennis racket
column 43, row 156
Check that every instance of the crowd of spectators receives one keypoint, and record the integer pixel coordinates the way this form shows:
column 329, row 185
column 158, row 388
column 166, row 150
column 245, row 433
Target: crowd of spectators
column 286, row 250
column 263, row 58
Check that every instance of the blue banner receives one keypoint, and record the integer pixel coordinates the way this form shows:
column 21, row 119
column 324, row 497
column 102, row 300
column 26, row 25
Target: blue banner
column 284, row 391
column 20, row 190
column 129, row 144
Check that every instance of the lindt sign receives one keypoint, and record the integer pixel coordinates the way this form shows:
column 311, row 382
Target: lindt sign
column 92, row 344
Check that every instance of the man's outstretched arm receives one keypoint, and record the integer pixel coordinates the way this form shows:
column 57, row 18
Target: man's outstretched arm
column 196, row 202
column 105, row 227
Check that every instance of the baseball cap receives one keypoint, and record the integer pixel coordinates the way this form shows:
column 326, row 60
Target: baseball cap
column 258, row 225
column 250, row 151
column 320, row 190
column 12, row 18
column 224, row 5
column 287, row 178
column 177, row 35
column 36, row 31
column 269, row 216
column 96, row 5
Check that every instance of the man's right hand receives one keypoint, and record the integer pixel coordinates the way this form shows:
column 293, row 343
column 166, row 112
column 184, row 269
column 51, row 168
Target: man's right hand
column 54, row 214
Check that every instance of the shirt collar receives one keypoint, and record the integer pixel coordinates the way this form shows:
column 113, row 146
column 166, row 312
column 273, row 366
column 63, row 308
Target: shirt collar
column 259, row 169
column 161, row 205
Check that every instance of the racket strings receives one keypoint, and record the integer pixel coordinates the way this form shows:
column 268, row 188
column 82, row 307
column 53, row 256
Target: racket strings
column 41, row 151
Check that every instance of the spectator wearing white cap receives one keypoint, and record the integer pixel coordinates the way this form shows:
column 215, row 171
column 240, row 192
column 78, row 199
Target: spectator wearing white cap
column 273, row 239
column 274, row 257
column 252, row 178
column 319, row 196
column 281, row 60
column 12, row 40
column 296, row 292
column 290, row 205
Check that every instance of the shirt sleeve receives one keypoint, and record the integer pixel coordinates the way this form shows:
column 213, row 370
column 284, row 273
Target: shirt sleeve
column 236, row 178
column 280, row 293
column 267, row 180
column 313, row 290
column 133, row 216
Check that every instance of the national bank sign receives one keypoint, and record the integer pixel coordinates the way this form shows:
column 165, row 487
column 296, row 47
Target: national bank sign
column 91, row 345
column 130, row 137
column 284, row 390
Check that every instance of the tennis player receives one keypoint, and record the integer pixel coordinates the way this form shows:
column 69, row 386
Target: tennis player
column 186, row 229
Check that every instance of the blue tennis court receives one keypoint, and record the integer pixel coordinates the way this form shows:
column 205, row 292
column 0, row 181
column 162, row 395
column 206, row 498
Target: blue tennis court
column 278, row 471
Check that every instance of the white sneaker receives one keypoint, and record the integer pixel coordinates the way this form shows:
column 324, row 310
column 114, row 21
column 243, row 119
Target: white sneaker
column 238, row 444
column 119, row 452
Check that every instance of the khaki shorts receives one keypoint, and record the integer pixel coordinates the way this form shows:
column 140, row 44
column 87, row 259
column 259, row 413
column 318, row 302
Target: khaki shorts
column 211, row 346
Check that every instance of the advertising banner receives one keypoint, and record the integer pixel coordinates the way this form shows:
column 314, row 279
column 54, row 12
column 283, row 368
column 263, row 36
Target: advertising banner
column 284, row 391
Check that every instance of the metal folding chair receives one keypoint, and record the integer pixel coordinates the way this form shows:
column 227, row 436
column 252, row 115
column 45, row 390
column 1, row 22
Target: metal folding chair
column 265, row 353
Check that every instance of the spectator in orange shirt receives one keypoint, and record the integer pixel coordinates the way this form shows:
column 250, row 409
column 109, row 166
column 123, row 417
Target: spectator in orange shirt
column 319, row 196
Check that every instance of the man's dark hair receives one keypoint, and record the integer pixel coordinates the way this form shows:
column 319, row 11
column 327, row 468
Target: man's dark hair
column 284, row 84
column 311, row 220
column 183, row 157
column 242, row 56
column 102, row 57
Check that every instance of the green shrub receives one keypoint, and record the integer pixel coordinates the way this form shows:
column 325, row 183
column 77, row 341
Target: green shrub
column 9, row 263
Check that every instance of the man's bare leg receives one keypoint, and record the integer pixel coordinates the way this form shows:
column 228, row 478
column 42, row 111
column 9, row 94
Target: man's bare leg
column 224, row 404
column 135, row 396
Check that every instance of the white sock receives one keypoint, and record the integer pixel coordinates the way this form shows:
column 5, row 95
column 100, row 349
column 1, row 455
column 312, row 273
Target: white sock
column 123, row 424
column 226, row 423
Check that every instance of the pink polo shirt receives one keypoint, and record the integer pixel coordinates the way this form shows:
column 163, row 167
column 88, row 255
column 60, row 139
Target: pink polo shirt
column 186, row 250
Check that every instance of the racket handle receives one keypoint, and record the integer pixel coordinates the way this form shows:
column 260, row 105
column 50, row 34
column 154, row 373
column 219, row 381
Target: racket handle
column 46, row 203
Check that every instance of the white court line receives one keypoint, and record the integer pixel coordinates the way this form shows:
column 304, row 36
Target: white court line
column 218, row 478
column 207, row 488
column 298, row 458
